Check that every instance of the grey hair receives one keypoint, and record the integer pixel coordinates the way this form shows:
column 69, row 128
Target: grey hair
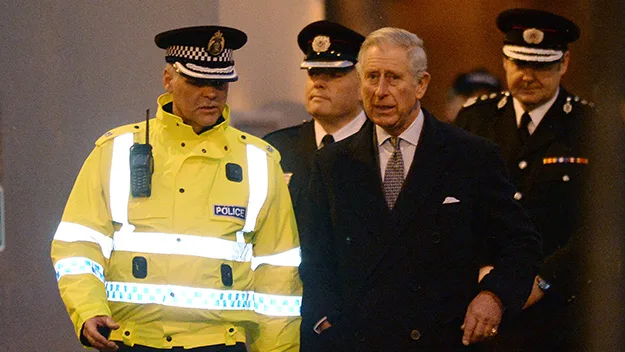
column 398, row 37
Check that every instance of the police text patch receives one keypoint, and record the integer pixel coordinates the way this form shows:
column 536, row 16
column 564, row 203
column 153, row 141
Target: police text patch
column 229, row 210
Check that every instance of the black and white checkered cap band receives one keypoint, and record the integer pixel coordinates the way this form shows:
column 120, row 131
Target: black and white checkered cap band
column 198, row 54
column 524, row 53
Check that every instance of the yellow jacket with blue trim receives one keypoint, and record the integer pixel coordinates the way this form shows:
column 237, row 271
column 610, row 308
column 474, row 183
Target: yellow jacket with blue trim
column 210, row 257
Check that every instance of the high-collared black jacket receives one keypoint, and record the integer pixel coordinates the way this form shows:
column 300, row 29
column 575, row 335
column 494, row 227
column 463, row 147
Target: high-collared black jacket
column 550, row 174
column 297, row 146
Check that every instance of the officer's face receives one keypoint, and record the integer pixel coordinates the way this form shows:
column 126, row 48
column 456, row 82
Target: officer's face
column 198, row 102
column 390, row 92
column 534, row 85
column 332, row 93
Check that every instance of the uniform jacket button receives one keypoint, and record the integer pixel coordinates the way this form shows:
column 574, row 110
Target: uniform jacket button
column 359, row 337
column 518, row 196
column 436, row 237
column 168, row 338
column 522, row 164
column 415, row 334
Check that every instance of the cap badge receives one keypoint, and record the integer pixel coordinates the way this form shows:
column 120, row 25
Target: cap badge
column 533, row 36
column 216, row 44
column 321, row 44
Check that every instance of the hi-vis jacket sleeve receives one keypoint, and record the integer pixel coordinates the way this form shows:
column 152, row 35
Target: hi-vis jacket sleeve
column 275, row 265
column 82, row 245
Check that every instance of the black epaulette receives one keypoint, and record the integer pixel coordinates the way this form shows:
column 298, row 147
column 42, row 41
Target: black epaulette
column 486, row 99
column 501, row 97
column 285, row 130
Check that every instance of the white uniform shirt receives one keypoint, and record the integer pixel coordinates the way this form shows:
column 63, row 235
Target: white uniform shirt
column 352, row 127
column 536, row 115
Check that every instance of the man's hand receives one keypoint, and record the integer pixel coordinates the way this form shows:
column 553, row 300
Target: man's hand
column 482, row 318
column 91, row 333
column 536, row 295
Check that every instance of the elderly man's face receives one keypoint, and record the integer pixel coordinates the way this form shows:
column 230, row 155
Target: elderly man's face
column 199, row 103
column 534, row 85
column 390, row 93
column 332, row 93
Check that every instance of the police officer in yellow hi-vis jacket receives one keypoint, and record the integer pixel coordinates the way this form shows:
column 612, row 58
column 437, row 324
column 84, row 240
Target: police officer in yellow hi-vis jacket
column 205, row 256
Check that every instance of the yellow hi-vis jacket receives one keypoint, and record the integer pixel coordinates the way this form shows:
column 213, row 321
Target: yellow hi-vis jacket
column 210, row 257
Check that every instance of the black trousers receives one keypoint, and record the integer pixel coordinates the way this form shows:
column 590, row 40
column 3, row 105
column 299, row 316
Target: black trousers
column 239, row 347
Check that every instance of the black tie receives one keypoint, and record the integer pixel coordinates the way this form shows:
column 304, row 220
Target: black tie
column 327, row 139
column 524, row 133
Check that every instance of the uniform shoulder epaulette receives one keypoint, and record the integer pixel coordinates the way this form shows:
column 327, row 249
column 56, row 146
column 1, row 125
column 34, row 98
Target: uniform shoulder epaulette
column 487, row 99
column 130, row 128
column 247, row 138
column 290, row 130
column 574, row 100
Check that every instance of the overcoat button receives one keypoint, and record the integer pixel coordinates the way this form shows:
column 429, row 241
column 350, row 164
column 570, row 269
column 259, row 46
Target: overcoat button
column 518, row 195
column 415, row 334
column 359, row 337
column 566, row 178
column 436, row 237
column 168, row 338
column 414, row 286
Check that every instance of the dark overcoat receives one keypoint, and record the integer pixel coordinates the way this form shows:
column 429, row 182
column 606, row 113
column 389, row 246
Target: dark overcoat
column 401, row 280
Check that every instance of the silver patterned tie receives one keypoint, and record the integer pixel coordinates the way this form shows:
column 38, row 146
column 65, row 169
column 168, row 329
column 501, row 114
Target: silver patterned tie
column 394, row 174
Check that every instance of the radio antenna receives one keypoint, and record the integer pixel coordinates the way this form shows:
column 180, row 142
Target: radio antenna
column 147, row 126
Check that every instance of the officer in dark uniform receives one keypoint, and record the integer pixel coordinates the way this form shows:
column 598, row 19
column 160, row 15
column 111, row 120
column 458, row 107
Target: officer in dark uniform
column 538, row 125
column 333, row 100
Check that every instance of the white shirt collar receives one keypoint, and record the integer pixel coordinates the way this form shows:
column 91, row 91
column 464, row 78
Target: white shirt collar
column 536, row 114
column 352, row 127
column 410, row 135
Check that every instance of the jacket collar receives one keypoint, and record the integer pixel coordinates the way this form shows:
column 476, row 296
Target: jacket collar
column 171, row 127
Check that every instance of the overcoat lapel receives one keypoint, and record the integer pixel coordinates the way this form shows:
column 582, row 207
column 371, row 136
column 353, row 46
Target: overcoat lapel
column 363, row 170
column 430, row 160
column 357, row 180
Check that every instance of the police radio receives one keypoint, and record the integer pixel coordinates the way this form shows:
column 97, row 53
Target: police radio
column 142, row 164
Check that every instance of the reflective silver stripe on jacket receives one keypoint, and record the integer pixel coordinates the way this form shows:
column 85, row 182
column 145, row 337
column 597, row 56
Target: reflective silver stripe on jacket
column 71, row 232
column 167, row 243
